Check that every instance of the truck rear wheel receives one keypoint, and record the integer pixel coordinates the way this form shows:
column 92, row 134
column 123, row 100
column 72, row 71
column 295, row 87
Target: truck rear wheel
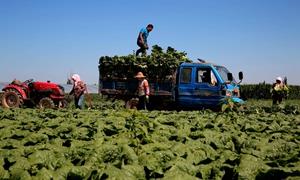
column 46, row 103
column 11, row 99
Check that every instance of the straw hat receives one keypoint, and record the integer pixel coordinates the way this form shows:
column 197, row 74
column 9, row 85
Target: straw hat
column 139, row 75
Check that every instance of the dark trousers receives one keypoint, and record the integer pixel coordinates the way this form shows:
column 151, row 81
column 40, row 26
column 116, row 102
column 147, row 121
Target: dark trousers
column 142, row 103
column 142, row 49
column 277, row 98
column 79, row 102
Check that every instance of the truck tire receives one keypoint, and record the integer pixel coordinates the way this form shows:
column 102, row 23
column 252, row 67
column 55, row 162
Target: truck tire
column 46, row 103
column 11, row 99
column 131, row 104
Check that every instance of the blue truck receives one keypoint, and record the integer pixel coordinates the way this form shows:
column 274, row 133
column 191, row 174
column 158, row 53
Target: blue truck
column 193, row 85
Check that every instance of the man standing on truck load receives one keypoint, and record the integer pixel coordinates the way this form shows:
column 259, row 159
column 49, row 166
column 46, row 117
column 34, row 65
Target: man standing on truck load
column 142, row 40
column 143, row 91
column 79, row 88
column 279, row 91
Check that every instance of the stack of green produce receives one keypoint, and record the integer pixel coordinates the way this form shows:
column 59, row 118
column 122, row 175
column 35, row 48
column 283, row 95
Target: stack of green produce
column 158, row 65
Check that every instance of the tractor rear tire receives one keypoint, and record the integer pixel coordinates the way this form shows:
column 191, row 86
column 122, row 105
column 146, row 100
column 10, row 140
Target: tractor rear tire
column 46, row 103
column 11, row 99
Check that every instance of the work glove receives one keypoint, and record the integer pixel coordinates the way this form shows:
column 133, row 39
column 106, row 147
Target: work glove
column 147, row 98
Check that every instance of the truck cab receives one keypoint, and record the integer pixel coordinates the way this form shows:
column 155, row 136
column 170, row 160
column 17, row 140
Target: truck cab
column 204, row 85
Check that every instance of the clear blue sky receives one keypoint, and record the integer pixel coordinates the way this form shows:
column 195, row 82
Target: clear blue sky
column 49, row 39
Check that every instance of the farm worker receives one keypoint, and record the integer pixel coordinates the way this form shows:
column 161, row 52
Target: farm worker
column 142, row 40
column 279, row 90
column 209, row 77
column 143, row 91
column 79, row 88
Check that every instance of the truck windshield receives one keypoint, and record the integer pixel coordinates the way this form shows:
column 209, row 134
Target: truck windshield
column 223, row 73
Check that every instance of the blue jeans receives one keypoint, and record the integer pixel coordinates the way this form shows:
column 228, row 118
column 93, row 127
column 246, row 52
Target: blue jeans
column 79, row 102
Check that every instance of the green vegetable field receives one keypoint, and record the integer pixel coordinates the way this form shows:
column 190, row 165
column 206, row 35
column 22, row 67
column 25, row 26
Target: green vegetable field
column 109, row 142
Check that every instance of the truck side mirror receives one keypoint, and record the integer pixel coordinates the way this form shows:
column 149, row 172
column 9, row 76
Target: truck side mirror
column 229, row 76
column 241, row 75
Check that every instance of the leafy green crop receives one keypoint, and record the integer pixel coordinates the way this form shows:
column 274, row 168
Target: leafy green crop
column 256, row 143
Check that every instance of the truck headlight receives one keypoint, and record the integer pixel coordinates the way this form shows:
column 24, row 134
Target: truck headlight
column 236, row 92
column 228, row 93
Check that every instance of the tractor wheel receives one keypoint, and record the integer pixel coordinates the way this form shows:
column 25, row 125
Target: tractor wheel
column 46, row 103
column 63, row 104
column 11, row 99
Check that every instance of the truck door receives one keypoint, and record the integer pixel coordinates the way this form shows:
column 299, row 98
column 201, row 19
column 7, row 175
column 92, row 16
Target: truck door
column 185, row 87
column 206, row 87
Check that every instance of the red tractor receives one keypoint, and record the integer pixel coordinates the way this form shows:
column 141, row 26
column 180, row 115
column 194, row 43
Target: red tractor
column 43, row 94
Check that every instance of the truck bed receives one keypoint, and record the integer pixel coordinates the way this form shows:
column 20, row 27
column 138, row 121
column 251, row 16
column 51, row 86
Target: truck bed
column 128, row 88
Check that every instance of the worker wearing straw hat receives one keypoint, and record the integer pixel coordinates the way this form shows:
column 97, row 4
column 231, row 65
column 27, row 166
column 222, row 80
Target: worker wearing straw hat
column 143, row 91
